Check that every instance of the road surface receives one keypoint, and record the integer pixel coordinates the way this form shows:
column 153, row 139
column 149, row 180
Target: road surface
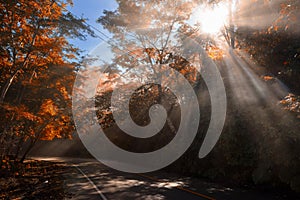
column 89, row 179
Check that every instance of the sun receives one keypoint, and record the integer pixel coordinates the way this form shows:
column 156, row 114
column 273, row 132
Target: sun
column 212, row 20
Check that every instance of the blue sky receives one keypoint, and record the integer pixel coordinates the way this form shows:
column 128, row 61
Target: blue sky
column 91, row 9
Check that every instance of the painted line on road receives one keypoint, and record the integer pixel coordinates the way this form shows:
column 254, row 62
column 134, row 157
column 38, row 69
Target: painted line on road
column 195, row 193
column 91, row 182
column 179, row 188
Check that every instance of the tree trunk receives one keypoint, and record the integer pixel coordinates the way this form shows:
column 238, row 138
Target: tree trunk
column 31, row 145
column 19, row 147
column 6, row 87
column 38, row 136
column 231, row 26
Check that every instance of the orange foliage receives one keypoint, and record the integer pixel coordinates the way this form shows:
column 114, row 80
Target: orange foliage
column 268, row 78
column 291, row 103
column 29, row 33
column 21, row 112
column 35, row 54
column 288, row 16
column 48, row 107
column 215, row 53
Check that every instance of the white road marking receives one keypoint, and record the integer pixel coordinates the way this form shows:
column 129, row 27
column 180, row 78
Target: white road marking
column 91, row 182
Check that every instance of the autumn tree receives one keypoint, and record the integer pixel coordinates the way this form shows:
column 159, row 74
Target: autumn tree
column 147, row 33
column 37, row 71
column 144, row 32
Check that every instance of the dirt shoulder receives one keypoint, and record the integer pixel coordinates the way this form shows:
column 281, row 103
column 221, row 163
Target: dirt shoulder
column 32, row 180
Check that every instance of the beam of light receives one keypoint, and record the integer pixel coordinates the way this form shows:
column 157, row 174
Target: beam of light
column 256, row 15
column 250, row 90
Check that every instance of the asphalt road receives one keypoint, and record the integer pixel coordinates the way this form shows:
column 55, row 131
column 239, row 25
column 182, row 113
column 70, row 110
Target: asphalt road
column 89, row 179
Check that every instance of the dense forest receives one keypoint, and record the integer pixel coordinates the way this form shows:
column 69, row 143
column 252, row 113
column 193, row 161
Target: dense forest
column 259, row 144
